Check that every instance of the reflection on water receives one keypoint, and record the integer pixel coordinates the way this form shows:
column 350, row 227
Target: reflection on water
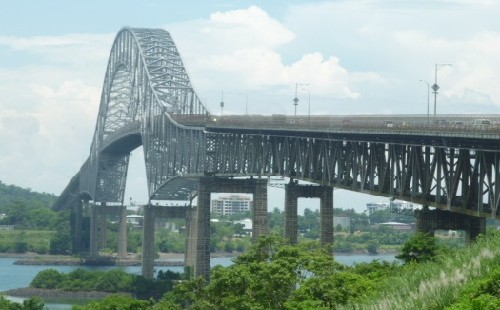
column 17, row 276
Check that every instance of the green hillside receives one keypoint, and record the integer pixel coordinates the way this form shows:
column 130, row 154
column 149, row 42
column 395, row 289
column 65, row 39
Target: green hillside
column 10, row 194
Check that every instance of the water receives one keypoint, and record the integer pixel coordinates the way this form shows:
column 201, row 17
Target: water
column 17, row 276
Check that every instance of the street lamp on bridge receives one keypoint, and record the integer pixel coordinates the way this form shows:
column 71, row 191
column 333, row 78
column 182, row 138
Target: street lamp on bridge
column 296, row 99
column 435, row 87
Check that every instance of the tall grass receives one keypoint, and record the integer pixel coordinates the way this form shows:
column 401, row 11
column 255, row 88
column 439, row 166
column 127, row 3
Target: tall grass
column 438, row 284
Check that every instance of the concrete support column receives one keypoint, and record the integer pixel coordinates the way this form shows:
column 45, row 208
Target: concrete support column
column 94, row 231
column 190, row 253
column 260, row 217
column 291, row 202
column 202, row 221
column 77, row 233
column 477, row 226
column 148, row 241
column 326, row 216
column 103, row 227
column 426, row 221
column 430, row 220
column 122, row 231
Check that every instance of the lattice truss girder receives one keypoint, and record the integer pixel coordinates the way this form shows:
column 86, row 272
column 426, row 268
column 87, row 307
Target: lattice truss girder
column 460, row 179
column 145, row 82
column 112, row 177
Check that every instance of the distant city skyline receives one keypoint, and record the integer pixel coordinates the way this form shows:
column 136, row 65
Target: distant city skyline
column 357, row 57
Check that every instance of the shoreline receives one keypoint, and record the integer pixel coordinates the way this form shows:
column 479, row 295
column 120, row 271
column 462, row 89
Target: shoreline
column 28, row 292
column 163, row 259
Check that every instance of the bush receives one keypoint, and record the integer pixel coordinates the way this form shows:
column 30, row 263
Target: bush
column 419, row 248
column 372, row 247
column 47, row 279
column 21, row 247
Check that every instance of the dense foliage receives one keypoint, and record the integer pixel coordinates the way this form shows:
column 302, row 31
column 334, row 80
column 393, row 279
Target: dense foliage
column 113, row 281
column 420, row 248
column 28, row 304
column 275, row 275
column 456, row 278
column 11, row 194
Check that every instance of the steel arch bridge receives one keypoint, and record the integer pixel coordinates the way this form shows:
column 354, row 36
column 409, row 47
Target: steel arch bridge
column 147, row 99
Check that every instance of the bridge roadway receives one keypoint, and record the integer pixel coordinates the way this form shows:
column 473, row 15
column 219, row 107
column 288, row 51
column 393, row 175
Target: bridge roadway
column 450, row 162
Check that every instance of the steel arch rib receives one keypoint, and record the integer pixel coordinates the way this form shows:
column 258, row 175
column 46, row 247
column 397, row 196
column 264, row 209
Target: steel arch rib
column 145, row 83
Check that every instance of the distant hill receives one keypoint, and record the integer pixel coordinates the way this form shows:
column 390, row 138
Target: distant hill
column 9, row 194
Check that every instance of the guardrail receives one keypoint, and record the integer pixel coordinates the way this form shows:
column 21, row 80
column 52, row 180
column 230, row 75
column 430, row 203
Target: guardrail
column 465, row 124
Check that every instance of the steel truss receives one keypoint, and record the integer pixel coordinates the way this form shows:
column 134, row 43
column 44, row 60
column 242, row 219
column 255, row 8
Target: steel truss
column 457, row 179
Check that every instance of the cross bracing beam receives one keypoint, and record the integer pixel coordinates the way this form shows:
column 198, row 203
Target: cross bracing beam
column 457, row 179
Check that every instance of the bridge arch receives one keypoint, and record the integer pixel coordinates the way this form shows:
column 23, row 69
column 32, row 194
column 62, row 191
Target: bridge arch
column 145, row 83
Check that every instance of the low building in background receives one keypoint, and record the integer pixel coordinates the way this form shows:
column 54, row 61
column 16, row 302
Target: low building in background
column 232, row 204
column 247, row 225
column 396, row 206
column 135, row 220
column 399, row 226
column 376, row 206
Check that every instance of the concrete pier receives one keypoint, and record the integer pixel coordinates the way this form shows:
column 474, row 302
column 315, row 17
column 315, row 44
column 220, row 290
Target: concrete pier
column 430, row 220
column 293, row 191
column 198, row 243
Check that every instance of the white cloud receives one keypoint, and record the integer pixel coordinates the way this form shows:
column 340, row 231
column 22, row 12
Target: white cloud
column 71, row 48
column 241, row 49
column 49, row 106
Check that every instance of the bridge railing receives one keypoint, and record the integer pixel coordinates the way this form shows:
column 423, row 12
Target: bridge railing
column 465, row 124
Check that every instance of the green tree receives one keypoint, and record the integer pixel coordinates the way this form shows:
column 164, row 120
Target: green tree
column 419, row 248
column 331, row 290
column 264, row 277
column 372, row 247
column 47, row 279
column 276, row 221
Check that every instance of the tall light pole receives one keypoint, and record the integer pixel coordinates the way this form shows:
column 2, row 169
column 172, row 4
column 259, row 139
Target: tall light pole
column 435, row 87
column 428, row 95
column 296, row 100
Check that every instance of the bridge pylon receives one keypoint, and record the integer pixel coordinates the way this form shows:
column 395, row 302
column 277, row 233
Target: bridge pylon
column 198, row 244
column 429, row 221
column 325, row 193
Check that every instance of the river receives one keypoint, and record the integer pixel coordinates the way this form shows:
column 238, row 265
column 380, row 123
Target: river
column 16, row 276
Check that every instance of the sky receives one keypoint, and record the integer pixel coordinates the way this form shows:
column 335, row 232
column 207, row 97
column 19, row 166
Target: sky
column 356, row 57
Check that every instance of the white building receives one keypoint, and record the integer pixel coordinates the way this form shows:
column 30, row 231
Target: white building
column 247, row 225
column 228, row 205
column 376, row 206
column 393, row 205
column 135, row 220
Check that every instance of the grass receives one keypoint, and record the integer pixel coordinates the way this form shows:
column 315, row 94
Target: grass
column 437, row 284
column 35, row 240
